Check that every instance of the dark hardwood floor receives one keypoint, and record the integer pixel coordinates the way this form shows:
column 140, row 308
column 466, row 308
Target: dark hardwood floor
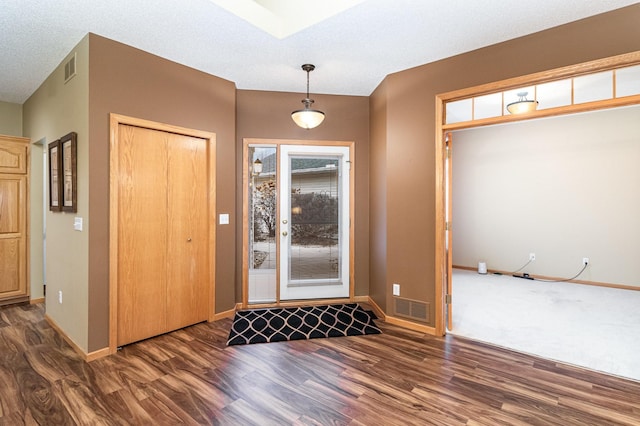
column 397, row 378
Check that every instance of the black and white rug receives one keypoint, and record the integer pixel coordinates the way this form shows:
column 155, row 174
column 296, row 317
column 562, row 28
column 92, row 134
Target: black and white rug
column 309, row 322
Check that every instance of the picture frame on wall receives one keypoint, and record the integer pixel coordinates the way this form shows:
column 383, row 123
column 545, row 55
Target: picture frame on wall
column 55, row 185
column 68, row 172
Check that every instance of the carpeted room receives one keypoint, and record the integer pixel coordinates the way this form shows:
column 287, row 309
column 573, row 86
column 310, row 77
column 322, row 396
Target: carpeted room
column 567, row 196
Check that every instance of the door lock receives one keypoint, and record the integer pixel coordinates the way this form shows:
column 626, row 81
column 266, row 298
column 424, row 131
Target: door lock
column 284, row 233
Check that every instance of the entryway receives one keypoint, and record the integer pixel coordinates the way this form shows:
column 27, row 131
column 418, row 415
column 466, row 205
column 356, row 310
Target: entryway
column 298, row 229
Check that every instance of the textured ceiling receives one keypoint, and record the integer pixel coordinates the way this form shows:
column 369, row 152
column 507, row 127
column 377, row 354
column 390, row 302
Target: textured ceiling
column 353, row 50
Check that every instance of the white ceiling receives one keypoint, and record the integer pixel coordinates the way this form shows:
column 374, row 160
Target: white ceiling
column 353, row 50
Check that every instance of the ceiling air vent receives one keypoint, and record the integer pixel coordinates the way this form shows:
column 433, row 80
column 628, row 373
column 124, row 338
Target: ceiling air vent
column 70, row 68
column 413, row 309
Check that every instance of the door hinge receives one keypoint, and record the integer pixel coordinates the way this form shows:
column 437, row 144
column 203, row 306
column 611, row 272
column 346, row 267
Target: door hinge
column 447, row 299
column 348, row 164
column 447, row 226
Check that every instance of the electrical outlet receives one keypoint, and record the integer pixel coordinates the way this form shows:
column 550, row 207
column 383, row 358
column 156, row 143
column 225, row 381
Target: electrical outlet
column 585, row 260
column 60, row 297
column 396, row 289
column 532, row 256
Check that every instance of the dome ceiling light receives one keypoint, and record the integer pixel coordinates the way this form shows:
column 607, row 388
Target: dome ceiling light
column 308, row 118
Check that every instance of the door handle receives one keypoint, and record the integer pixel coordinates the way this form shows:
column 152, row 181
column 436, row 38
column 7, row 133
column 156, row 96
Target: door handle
column 284, row 233
column 189, row 239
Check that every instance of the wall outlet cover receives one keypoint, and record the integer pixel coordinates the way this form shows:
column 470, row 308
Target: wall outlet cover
column 396, row 289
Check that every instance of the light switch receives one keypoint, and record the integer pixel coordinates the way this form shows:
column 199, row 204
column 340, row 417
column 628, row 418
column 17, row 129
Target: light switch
column 77, row 223
column 224, row 219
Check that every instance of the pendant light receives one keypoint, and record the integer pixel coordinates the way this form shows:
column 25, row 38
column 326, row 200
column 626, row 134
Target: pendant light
column 522, row 105
column 307, row 118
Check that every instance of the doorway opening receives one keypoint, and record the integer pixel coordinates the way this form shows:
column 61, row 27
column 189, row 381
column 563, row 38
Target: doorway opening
column 474, row 97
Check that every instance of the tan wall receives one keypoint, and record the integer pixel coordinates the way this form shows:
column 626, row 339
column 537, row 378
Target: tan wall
column 559, row 187
column 131, row 82
column 54, row 110
column 378, row 197
column 10, row 119
column 410, row 132
column 268, row 115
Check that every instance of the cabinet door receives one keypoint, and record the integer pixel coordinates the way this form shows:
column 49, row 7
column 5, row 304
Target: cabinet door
column 142, row 234
column 188, row 232
column 13, row 156
column 13, row 261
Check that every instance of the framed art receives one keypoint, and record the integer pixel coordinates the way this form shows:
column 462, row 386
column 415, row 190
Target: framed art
column 68, row 173
column 55, row 187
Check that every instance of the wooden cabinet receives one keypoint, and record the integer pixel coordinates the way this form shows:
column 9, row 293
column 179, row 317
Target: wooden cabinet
column 14, row 227
column 163, row 232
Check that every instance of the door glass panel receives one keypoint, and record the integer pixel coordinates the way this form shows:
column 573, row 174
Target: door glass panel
column 315, row 198
column 314, row 222
column 262, row 224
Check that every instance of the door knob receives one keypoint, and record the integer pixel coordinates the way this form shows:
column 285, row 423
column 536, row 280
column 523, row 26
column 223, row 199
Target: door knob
column 188, row 240
column 284, row 221
column 284, row 233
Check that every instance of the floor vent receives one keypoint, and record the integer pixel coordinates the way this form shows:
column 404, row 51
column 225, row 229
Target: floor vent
column 413, row 309
column 70, row 68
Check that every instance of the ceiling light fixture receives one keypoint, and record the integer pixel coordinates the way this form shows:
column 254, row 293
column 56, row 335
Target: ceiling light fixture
column 522, row 105
column 307, row 118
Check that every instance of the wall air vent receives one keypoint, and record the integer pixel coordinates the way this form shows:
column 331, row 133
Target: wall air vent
column 413, row 309
column 70, row 68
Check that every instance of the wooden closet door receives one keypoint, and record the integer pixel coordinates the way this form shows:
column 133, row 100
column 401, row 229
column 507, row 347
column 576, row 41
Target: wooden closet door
column 188, row 232
column 142, row 234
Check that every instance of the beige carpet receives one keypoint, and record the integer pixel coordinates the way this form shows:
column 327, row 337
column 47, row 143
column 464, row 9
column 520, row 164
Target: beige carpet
column 588, row 326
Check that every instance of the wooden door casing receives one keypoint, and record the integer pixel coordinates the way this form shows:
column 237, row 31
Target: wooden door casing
column 449, row 160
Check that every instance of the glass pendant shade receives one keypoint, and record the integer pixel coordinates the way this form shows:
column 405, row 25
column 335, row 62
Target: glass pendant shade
column 308, row 118
column 522, row 105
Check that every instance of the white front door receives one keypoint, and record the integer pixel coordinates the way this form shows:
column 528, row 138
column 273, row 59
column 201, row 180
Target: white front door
column 314, row 222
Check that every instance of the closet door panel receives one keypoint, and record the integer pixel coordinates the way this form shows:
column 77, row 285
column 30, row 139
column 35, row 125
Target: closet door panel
column 188, row 232
column 142, row 234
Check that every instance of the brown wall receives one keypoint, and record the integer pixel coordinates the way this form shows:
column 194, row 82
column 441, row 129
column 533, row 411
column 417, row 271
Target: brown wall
column 378, row 197
column 267, row 115
column 407, row 141
column 131, row 82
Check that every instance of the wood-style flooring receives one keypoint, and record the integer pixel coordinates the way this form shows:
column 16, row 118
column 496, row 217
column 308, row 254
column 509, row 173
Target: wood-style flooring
column 190, row 376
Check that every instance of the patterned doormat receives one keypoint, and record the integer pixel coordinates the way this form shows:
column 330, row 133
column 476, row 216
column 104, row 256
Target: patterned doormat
column 309, row 322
